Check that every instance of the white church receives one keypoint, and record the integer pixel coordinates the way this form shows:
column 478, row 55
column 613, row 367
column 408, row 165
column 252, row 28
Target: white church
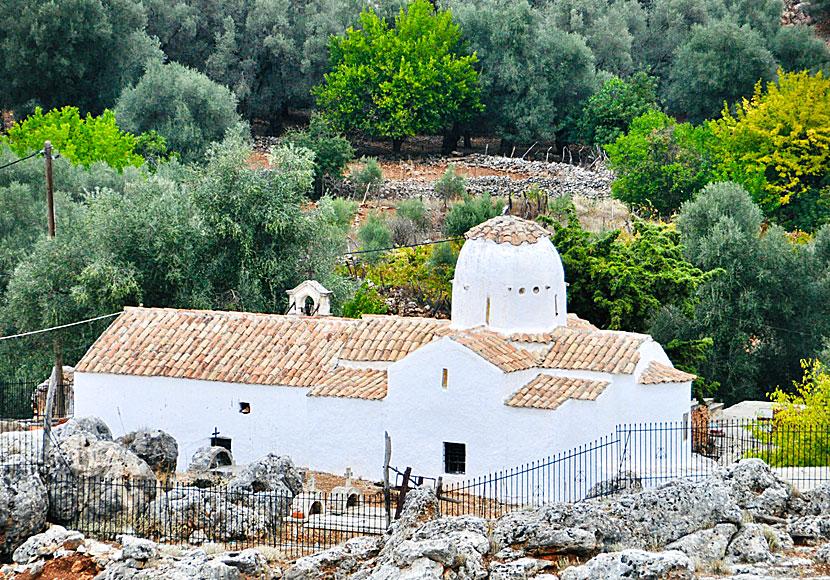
column 511, row 378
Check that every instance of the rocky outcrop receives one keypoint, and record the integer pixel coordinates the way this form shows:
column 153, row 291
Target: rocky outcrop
column 209, row 458
column 157, row 448
column 633, row 564
column 23, row 507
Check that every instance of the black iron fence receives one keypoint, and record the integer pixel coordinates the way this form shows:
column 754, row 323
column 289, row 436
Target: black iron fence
column 644, row 456
column 237, row 519
column 26, row 401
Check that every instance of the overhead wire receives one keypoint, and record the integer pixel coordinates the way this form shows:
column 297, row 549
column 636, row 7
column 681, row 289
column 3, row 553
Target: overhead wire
column 62, row 326
column 22, row 159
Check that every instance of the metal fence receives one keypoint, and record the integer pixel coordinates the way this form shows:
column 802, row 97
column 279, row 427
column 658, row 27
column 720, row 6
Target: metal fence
column 237, row 519
column 644, row 456
column 26, row 401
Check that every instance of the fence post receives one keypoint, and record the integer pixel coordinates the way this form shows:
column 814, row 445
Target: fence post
column 47, row 414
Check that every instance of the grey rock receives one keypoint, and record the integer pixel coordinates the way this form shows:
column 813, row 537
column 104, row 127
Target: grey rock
column 186, row 511
column 633, row 565
column 706, row 547
column 623, row 482
column 275, row 473
column 423, row 569
column 23, row 508
column 779, row 540
column 209, row 458
column 157, row 448
column 335, row 563
column 816, row 501
column 88, row 478
column 439, row 549
column 676, row 509
column 364, row 547
column 91, row 426
column 137, row 548
column 809, row 529
column 517, row 570
column 249, row 562
column 754, row 487
column 822, row 554
column 47, row 543
column 749, row 545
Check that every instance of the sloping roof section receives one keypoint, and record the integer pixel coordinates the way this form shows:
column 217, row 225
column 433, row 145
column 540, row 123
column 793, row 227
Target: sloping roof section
column 507, row 229
column 604, row 351
column 657, row 373
column 234, row 347
column 495, row 349
column 547, row 392
column 352, row 384
column 390, row 338
column 574, row 322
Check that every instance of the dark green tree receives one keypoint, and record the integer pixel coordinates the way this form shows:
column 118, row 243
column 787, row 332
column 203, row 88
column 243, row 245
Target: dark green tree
column 71, row 52
column 332, row 151
column 797, row 48
column 182, row 105
column 609, row 112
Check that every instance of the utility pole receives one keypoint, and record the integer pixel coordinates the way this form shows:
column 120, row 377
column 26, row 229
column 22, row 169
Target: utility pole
column 56, row 380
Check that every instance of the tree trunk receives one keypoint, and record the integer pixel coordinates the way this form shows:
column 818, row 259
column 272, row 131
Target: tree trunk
column 468, row 141
column 396, row 144
column 450, row 140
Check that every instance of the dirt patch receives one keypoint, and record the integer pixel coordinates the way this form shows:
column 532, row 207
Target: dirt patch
column 70, row 567
column 326, row 482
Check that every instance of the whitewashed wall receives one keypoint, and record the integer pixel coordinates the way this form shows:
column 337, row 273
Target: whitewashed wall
column 331, row 434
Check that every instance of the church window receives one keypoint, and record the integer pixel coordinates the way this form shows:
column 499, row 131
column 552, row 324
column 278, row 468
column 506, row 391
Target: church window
column 455, row 457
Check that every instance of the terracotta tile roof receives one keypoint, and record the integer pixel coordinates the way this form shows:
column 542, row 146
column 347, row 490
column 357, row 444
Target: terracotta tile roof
column 657, row 373
column 234, row 347
column 547, row 392
column 390, row 338
column 591, row 350
column 574, row 322
column 495, row 349
column 352, row 384
column 508, row 229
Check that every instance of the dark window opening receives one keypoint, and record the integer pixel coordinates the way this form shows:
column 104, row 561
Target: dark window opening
column 217, row 441
column 308, row 306
column 455, row 457
column 444, row 378
column 244, row 408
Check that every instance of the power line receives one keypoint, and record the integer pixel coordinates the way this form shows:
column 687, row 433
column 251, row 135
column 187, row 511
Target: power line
column 42, row 330
column 22, row 159
column 404, row 246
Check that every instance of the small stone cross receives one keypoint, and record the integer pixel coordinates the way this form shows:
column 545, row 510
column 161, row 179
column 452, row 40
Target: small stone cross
column 348, row 476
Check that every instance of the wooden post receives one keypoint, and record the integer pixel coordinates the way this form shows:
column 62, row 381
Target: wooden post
column 387, row 495
column 404, row 489
column 50, row 201
column 47, row 413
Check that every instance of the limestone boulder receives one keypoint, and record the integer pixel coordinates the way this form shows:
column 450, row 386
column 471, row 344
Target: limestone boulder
column 157, row 448
column 92, row 426
column 23, row 508
column 706, row 548
column 45, row 544
column 754, row 487
column 96, row 479
column 274, row 473
column 633, row 565
column 809, row 529
column 185, row 512
column 750, row 545
column 623, row 482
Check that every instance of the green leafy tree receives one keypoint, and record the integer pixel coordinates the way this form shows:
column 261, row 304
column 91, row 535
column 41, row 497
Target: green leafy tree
column 766, row 310
column 184, row 106
column 659, row 163
column 396, row 82
column 332, row 151
column 776, row 146
column 374, row 234
column 609, row 112
column 720, row 62
column 451, row 185
column 471, row 212
column 620, row 283
column 82, row 141
column 534, row 75
column 367, row 175
column 800, row 434
column 366, row 300
column 71, row 52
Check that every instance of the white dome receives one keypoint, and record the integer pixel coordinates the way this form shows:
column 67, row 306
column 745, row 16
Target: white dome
column 509, row 277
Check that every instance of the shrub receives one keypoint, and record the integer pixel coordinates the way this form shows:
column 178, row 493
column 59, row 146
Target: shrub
column 660, row 163
column 471, row 212
column 415, row 211
column 366, row 300
column 367, row 175
column 184, row 106
column 451, row 185
column 609, row 112
column 331, row 150
column 82, row 141
column 374, row 234
column 797, row 48
column 342, row 211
